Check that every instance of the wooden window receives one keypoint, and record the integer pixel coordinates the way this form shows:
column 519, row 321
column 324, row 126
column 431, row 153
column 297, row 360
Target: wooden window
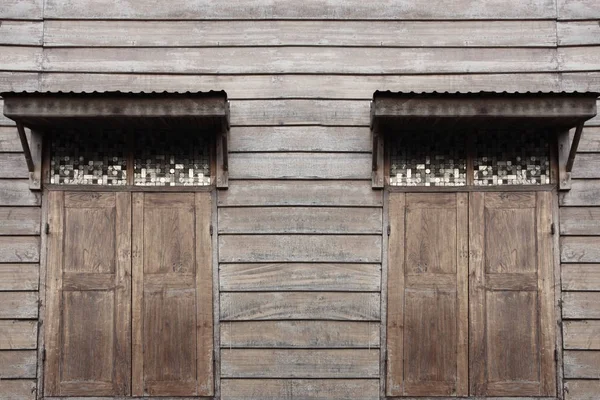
column 129, row 294
column 501, row 244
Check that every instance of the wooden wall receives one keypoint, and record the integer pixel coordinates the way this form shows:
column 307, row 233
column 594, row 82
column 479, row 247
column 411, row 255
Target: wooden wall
column 300, row 229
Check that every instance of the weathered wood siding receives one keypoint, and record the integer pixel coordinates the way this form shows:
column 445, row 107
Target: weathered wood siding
column 300, row 223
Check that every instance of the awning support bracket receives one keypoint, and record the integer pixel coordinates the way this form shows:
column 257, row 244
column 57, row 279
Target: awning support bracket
column 574, row 146
column 32, row 149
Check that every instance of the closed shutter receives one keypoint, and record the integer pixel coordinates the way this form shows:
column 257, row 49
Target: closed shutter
column 89, row 294
column 172, row 295
column 511, row 297
column 427, row 295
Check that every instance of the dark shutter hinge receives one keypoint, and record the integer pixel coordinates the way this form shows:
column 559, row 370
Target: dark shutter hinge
column 44, row 355
column 47, row 228
column 552, row 228
column 211, row 230
column 389, row 230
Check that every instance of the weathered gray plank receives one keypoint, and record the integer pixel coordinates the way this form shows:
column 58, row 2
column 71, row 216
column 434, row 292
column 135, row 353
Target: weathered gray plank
column 300, row 305
column 300, row 193
column 13, row 165
column 581, row 335
column 590, row 140
column 285, row 33
column 582, row 82
column 580, row 277
column 21, row 9
column 577, row 9
column 582, row 390
column 299, row 334
column 18, row 305
column 24, row 33
column 580, row 221
column 583, row 58
column 337, row 363
column 578, row 33
column 305, row 86
column 587, row 165
column 302, row 276
column 581, row 305
column 19, row 249
column 306, row 389
column 582, row 364
column 300, row 138
column 19, row 276
column 17, row 364
column 18, row 335
column 584, row 192
column 15, row 58
column 20, row 220
column 21, row 389
column 580, row 249
column 17, row 81
column 299, row 248
column 299, row 166
column 9, row 139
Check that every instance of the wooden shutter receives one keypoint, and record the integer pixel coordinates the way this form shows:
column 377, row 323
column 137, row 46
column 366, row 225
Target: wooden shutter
column 427, row 295
column 172, row 295
column 89, row 294
column 511, row 301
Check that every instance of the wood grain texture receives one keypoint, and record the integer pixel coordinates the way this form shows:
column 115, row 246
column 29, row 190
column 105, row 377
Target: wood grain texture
column 581, row 277
column 582, row 364
column 582, row 305
column 590, row 140
column 21, row 9
column 21, row 33
column 299, row 276
column 285, row 33
column 18, row 335
column 18, row 305
column 579, row 221
column 17, row 81
column 578, row 249
column 299, row 193
column 299, row 166
column 582, row 389
column 16, row 58
column 22, row 389
column 19, row 249
column 577, row 9
column 331, row 363
column 584, row 192
column 13, row 165
column 271, row 220
column 278, row 60
column 308, row 389
column 17, row 364
column 299, row 334
column 20, row 220
column 16, row 192
column 9, row 139
column 299, row 248
column 580, row 33
column 581, row 335
column 307, row 86
column 587, row 165
column 579, row 58
column 300, row 305
column 19, row 277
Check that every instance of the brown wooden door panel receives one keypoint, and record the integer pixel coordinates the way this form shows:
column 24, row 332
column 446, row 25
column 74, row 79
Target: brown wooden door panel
column 89, row 294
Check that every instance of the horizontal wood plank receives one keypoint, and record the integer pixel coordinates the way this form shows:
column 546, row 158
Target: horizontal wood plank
column 338, row 363
column 299, row 166
column 300, row 334
column 21, row 389
column 580, row 277
column 18, row 335
column 319, row 60
column 584, row 192
column 587, row 165
column 19, row 249
column 581, row 335
column 307, row 86
column 299, row 138
column 577, row 9
column 312, row 9
column 590, row 140
column 17, row 81
column 13, row 165
column 299, row 276
column 582, row 389
column 582, row 82
column 17, row 58
column 17, row 364
column 580, row 249
column 86, row 33
column 307, row 389
column 581, row 305
column 18, row 305
column 9, row 140
column 300, row 305
column 20, row 220
column 298, row 248
column 579, row 221
column 582, row 364
column 581, row 58
column 578, row 33
column 300, row 193
column 21, row 33
column 21, row 9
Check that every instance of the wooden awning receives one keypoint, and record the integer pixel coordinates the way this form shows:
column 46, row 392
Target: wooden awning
column 557, row 112
column 45, row 111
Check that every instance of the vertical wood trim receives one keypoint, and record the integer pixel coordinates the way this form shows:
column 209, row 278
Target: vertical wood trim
column 557, row 297
column 564, row 146
column 55, row 253
column 35, row 176
column 545, row 287
column 42, row 297
column 378, row 157
column 395, row 313
column 216, row 301
column 137, row 374
column 462, row 293
column 204, row 295
column 122, row 369
column 222, row 166
column 477, row 303
column 384, row 292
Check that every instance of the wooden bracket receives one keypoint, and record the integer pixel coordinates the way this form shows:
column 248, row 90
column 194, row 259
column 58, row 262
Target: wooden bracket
column 32, row 149
column 222, row 150
column 377, row 177
column 574, row 146
column 564, row 149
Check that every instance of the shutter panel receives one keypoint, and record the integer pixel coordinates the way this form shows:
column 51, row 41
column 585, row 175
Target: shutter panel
column 172, row 295
column 89, row 294
column 428, row 295
column 511, row 303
